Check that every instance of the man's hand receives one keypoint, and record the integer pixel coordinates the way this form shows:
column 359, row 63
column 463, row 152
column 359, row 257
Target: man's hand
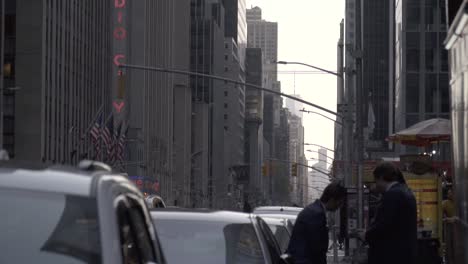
column 359, row 233
column 451, row 220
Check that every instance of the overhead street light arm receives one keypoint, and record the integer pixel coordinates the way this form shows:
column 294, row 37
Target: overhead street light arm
column 317, row 113
column 328, row 157
column 320, row 146
column 214, row 77
column 310, row 66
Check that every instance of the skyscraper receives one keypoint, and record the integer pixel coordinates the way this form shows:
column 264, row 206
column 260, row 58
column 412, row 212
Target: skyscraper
column 253, row 122
column 207, row 56
column 232, row 102
column 63, row 68
column 376, row 79
column 421, row 65
column 159, row 147
column 294, row 106
column 264, row 35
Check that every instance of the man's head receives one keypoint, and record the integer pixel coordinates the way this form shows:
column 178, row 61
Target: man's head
column 333, row 196
column 386, row 173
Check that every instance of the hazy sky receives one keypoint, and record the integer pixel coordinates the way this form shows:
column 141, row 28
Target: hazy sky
column 308, row 32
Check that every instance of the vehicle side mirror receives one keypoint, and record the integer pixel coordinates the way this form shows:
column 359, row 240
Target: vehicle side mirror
column 287, row 259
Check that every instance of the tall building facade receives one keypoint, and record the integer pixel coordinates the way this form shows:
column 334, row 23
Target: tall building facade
column 421, row 64
column 62, row 66
column 233, row 101
column 375, row 76
column 264, row 35
column 294, row 106
column 207, row 56
column 158, row 105
column 296, row 155
column 259, row 184
column 318, row 176
column 7, row 79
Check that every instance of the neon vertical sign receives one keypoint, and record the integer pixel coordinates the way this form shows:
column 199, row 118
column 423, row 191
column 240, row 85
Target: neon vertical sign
column 119, row 35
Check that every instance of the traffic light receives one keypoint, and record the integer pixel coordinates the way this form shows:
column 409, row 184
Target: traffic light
column 294, row 169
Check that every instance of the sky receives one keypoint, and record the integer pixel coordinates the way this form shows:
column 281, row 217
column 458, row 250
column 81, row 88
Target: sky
column 308, row 32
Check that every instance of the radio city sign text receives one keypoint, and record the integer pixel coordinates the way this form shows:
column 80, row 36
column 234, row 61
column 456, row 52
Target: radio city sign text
column 120, row 36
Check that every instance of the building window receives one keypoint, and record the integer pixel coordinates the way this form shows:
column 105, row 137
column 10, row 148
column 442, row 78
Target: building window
column 444, row 61
column 412, row 93
column 412, row 60
column 431, row 93
column 226, row 69
column 225, row 105
column 430, row 60
column 444, row 93
column 225, row 116
column 413, row 15
column 225, row 93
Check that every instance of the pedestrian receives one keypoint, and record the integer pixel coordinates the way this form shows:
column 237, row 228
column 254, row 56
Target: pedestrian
column 309, row 240
column 392, row 236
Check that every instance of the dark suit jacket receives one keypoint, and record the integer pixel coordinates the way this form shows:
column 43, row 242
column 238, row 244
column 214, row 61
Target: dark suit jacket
column 392, row 237
column 309, row 240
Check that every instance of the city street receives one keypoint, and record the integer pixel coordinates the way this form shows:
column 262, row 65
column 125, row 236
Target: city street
column 234, row 131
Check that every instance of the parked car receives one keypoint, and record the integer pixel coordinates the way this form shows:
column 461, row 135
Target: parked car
column 282, row 230
column 56, row 214
column 215, row 237
column 280, row 212
column 155, row 201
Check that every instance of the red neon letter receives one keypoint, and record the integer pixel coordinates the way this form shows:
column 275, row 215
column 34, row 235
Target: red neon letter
column 120, row 17
column 118, row 106
column 120, row 33
column 118, row 58
column 120, row 3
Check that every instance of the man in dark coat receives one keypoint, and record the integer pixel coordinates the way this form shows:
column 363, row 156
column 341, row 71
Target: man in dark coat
column 392, row 236
column 309, row 240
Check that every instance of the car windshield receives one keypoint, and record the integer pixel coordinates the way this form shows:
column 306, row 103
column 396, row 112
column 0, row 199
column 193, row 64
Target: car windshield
column 186, row 241
column 281, row 234
column 48, row 228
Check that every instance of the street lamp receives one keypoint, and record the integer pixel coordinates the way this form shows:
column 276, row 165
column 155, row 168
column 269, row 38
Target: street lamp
column 320, row 154
column 320, row 146
column 340, row 75
column 317, row 113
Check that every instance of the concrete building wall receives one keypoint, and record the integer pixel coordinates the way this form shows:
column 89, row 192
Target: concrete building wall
column 207, row 56
column 60, row 96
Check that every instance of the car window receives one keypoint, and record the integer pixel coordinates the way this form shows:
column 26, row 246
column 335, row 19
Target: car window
column 281, row 234
column 135, row 241
column 144, row 241
column 186, row 241
column 127, row 234
column 48, row 228
column 273, row 247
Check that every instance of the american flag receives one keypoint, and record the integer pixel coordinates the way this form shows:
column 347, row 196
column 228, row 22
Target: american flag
column 115, row 142
column 121, row 146
column 96, row 134
column 107, row 137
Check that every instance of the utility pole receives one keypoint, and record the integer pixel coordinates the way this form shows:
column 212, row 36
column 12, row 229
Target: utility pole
column 359, row 111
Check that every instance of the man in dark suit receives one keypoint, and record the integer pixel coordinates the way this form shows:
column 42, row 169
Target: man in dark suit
column 392, row 236
column 309, row 240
